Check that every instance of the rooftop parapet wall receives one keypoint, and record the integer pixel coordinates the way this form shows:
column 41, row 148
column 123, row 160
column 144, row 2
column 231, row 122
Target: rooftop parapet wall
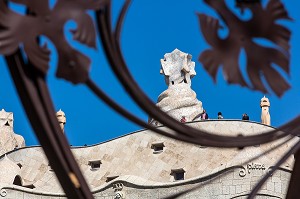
column 133, row 155
column 224, row 183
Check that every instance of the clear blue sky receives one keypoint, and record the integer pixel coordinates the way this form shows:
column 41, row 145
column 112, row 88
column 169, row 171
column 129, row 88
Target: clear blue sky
column 151, row 29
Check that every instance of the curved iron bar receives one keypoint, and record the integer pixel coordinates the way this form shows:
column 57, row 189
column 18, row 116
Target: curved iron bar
column 35, row 97
column 115, row 58
column 257, row 187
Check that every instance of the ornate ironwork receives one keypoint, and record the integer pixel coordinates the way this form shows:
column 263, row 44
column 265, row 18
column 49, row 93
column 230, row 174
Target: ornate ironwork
column 29, row 74
column 226, row 51
column 72, row 65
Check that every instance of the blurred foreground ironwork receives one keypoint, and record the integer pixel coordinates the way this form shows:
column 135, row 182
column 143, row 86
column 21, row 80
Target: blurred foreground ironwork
column 29, row 70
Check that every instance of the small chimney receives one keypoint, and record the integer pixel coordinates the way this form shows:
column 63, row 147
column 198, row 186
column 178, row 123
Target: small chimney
column 61, row 117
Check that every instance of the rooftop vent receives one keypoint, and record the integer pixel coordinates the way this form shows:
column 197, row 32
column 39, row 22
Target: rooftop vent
column 95, row 164
column 157, row 147
column 178, row 174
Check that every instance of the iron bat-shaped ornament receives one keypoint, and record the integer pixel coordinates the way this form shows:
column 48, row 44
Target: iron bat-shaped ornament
column 226, row 51
column 16, row 29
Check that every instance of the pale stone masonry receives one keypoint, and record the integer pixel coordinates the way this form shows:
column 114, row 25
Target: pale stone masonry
column 130, row 161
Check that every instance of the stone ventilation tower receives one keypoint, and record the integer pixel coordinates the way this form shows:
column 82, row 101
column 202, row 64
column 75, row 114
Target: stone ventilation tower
column 61, row 117
column 8, row 139
column 265, row 114
column 179, row 100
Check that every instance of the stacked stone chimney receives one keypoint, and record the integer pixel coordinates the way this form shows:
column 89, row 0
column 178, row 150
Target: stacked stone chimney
column 8, row 139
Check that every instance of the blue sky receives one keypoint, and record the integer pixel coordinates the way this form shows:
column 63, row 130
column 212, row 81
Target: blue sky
column 151, row 29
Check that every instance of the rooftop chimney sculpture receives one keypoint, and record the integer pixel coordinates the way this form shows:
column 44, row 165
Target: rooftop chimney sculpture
column 61, row 117
column 9, row 140
column 179, row 100
column 265, row 114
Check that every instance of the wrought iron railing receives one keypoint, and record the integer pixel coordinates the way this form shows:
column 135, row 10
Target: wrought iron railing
column 29, row 70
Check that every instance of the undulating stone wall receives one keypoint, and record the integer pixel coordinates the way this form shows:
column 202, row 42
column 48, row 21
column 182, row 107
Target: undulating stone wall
column 133, row 161
column 224, row 184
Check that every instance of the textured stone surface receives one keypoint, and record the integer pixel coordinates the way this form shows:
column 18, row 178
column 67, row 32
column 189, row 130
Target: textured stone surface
column 9, row 170
column 181, row 100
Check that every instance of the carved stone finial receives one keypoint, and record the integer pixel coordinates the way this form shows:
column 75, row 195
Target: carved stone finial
column 265, row 114
column 61, row 117
column 177, row 68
